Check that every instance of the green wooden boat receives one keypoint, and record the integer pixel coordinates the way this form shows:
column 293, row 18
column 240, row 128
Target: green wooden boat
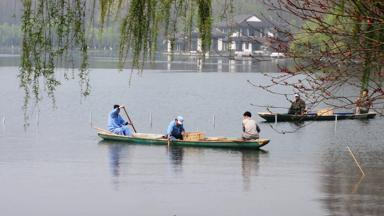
column 157, row 139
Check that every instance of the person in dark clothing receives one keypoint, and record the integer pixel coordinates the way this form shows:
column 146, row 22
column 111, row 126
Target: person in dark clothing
column 297, row 106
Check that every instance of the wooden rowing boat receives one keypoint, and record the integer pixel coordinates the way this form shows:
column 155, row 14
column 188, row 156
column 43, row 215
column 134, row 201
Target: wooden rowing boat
column 282, row 117
column 157, row 139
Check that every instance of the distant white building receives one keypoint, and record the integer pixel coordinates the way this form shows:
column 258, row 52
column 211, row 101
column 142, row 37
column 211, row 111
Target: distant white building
column 244, row 35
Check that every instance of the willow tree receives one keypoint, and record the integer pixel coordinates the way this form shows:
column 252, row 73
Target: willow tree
column 54, row 33
column 339, row 43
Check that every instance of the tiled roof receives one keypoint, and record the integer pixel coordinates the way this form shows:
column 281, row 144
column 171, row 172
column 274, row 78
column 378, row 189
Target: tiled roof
column 241, row 21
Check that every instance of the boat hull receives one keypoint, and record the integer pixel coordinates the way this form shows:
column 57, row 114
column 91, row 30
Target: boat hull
column 272, row 117
column 223, row 143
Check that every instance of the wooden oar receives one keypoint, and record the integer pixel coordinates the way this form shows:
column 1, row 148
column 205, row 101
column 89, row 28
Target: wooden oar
column 129, row 119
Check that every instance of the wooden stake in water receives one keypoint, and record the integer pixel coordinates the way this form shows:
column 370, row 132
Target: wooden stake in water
column 214, row 121
column 90, row 118
column 3, row 121
column 150, row 119
column 335, row 122
column 37, row 118
column 354, row 158
column 275, row 119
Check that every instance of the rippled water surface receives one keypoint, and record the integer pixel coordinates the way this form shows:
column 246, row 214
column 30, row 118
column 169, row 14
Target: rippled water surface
column 58, row 165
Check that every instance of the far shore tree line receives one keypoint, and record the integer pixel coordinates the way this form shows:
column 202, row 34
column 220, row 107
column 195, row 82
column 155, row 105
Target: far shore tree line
column 11, row 37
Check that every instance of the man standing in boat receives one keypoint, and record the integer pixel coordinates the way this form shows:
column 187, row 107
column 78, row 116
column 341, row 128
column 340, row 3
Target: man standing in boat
column 116, row 123
column 297, row 106
column 250, row 129
column 363, row 103
column 175, row 130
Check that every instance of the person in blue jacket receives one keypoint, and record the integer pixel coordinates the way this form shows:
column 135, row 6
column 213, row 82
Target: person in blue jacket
column 116, row 123
column 175, row 130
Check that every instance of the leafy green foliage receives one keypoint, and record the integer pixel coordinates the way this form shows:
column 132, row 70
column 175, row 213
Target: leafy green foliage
column 137, row 30
column 52, row 31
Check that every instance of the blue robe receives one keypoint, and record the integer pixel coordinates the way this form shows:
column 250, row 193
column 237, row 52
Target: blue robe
column 116, row 124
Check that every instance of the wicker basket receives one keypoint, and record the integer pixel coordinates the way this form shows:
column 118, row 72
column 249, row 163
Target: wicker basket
column 193, row 136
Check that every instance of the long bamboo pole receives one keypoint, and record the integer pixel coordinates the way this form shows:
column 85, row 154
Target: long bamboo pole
column 354, row 158
column 129, row 119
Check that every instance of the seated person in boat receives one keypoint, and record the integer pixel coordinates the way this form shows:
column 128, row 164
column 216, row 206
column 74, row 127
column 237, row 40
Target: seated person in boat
column 175, row 130
column 116, row 123
column 297, row 106
column 250, row 129
column 363, row 103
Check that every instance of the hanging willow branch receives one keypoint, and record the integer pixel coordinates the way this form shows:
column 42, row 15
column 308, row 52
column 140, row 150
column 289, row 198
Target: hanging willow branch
column 137, row 30
column 52, row 31
column 140, row 27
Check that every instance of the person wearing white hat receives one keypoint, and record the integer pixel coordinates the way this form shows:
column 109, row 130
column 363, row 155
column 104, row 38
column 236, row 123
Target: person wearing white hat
column 297, row 106
column 175, row 130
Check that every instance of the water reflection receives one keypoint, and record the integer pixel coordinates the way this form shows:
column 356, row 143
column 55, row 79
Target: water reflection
column 119, row 153
column 356, row 186
column 250, row 163
column 349, row 193
column 115, row 154
column 182, row 63
column 286, row 127
column 176, row 154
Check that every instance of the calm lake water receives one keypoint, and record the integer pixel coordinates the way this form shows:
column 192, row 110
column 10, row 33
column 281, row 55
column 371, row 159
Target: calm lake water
column 59, row 166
